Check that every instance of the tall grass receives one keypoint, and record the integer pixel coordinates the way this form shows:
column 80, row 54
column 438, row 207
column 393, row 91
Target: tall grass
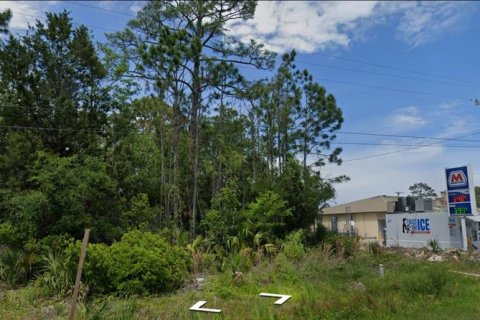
column 323, row 283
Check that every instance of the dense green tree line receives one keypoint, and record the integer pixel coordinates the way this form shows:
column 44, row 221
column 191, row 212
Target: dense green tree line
column 157, row 129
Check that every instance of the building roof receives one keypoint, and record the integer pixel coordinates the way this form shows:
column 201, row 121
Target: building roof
column 475, row 218
column 374, row 204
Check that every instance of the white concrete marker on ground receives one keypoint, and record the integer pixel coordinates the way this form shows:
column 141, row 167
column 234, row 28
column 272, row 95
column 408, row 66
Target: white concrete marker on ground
column 283, row 297
column 198, row 307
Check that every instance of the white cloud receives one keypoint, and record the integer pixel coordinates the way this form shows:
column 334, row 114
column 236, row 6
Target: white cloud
column 106, row 4
column 25, row 12
column 396, row 171
column 447, row 106
column 137, row 6
column 305, row 26
column 407, row 118
column 424, row 21
column 310, row 26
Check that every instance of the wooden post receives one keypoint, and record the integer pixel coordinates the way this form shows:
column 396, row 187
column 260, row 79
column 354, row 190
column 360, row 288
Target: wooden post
column 71, row 315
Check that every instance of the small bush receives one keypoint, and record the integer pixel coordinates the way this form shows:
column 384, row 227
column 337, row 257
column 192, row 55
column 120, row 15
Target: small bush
column 293, row 246
column 374, row 248
column 434, row 245
column 343, row 246
column 55, row 243
column 318, row 236
column 96, row 267
column 143, row 263
column 56, row 275
column 16, row 266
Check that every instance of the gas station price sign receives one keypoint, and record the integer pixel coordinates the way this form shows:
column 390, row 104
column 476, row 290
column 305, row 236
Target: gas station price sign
column 461, row 199
column 458, row 197
column 460, row 209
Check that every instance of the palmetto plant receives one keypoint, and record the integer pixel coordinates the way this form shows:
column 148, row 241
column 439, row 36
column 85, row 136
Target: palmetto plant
column 194, row 249
column 16, row 266
column 56, row 275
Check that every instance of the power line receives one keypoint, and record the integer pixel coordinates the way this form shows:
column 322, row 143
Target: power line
column 402, row 150
column 330, row 80
column 50, row 129
column 402, row 145
column 319, row 54
column 391, row 89
column 403, row 136
column 75, row 23
column 81, row 4
column 396, row 68
column 383, row 74
column 356, row 84
column 330, row 56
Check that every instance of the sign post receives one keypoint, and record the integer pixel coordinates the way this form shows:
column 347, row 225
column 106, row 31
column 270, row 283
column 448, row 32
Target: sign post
column 461, row 196
column 461, row 191
column 86, row 235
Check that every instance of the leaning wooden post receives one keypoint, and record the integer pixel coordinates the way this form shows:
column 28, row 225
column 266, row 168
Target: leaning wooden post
column 79, row 274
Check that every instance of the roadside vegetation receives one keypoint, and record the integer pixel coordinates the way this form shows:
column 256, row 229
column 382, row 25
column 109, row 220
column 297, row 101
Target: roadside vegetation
column 338, row 279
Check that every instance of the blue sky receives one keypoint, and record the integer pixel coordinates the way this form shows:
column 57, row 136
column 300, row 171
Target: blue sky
column 396, row 69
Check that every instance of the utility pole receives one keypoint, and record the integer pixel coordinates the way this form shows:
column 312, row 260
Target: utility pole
column 398, row 193
column 476, row 102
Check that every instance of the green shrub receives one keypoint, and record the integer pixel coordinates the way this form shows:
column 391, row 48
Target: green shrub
column 434, row 245
column 343, row 246
column 55, row 243
column 9, row 235
column 316, row 237
column 374, row 248
column 141, row 263
column 96, row 267
column 293, row 246
column 56, row 275
column 16, row 266
column 145, row 263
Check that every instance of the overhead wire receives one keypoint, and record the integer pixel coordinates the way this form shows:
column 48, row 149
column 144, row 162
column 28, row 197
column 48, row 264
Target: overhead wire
column 322, row 79
column 402, row 150
column 49, row 129
column 383, row 74
column 83, row 4
column 401, row 145
column 357, row 84
column 357, row 61
column 74, row 23
column 328, row 80
column 402, row 136
column 396, row 68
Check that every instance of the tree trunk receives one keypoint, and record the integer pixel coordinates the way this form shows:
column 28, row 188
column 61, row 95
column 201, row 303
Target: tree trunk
column 196, row 95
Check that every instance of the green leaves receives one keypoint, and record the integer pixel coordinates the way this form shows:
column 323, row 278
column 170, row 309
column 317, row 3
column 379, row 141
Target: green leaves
column 51, row 79
column 422, row 190
column 5, row 17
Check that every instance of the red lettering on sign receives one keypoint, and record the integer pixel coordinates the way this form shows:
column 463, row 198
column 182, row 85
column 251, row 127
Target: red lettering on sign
column 456, row 177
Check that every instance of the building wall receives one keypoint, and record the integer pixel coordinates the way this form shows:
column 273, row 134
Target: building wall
column 366, row 224
column 411, row 233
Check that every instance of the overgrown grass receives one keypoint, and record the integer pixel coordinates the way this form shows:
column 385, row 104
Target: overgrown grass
column 322, row 286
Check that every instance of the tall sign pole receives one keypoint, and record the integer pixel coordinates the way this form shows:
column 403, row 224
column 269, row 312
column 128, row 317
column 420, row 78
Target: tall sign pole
column 461, row 191
column 461, row 196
